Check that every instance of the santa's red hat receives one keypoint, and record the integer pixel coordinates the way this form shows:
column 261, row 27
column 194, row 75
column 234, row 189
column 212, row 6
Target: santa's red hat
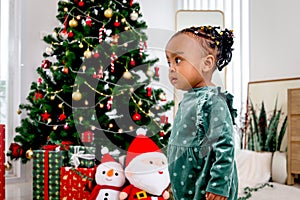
column 140, row 145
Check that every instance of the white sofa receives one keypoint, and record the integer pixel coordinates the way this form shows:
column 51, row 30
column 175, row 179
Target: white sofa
column 262, row 176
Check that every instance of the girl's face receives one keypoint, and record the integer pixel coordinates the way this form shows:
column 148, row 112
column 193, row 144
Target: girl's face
column 185, row 59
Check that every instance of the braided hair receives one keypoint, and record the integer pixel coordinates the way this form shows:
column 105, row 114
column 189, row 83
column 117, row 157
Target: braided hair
column 223, row 40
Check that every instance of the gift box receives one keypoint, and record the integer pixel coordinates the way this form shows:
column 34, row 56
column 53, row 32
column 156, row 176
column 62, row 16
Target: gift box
column 82, row 156
column 46, row 173
column 2, row 161
column 76, row 184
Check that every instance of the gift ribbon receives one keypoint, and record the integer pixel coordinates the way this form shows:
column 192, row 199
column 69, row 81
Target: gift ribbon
column 46, row 175
column 80, row 154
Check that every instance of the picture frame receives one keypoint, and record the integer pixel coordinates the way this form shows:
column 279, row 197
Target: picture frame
column 270, row 92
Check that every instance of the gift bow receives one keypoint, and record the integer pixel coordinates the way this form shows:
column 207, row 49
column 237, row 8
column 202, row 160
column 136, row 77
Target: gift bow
column 80, row 154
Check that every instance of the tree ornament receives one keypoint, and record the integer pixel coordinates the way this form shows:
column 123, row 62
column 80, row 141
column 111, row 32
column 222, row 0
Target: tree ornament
column 113, row 57
column 101, row 31
column 87, row 136
column 63, row 34
column 76, row 96
column 117, row 23
column 40, row 81
column 80, row 45
column 100, row 73
column 130, row 2
column 141, row 48
column 127, row 75
column 62, row 117
column 134, row 16
column 49, row 51
column 70, row 34
column 66, row 9
column 46, row 64
column 65, row 70
column 73, row 23
column 81, row 3
column 45, row 116
column 108, row 13
column 156, row 71
column 162, row 96
column 66, row 126
column 109, row 103
column 37, row 96
column 150, row 73
column 163, row 119
column 132, row 62
column 19, row 111
column 96, row 54
column 115, row 39
column 136, row 116
column 149, row 91
column 7, row 166
column 162, row 134
column 87, row 53
column 88, row 21
column 29, row 154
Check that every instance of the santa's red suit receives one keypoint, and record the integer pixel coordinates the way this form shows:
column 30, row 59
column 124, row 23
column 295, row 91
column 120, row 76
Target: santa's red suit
column 97, row 189
column 136, row 193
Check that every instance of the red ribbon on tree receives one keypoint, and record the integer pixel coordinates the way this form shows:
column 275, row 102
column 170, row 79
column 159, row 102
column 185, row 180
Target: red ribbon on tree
column 46, row 175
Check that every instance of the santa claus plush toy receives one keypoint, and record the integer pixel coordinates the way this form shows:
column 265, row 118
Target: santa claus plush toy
column 109, row 177
column 146, row 170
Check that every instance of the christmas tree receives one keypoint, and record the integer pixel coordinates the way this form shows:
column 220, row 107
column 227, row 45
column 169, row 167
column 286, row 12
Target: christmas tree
column 95, row 86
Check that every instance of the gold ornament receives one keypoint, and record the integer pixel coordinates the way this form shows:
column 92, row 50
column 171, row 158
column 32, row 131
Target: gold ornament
column 80, row 45
column 29, row 154
column 127, row 75
column 73, row 23
column 87, row 53
column 76, row 96
column 19, row 111
column 8, row 166
column 108, row 13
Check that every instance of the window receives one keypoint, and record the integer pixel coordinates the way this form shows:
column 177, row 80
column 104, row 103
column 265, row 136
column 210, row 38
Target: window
column 236, row 13
column 10, row 75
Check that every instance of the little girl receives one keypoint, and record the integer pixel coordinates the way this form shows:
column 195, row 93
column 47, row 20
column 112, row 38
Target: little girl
column 201, row 145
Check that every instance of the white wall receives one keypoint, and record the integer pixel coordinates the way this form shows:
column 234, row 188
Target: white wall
column 274, row 39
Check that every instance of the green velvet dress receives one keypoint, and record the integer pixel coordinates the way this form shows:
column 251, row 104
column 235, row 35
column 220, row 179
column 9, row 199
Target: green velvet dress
column 201, row 146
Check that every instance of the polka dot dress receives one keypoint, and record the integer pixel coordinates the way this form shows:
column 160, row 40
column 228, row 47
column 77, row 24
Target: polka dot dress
column 201, row 146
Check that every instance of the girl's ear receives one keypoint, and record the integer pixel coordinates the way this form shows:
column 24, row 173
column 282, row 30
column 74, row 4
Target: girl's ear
column 209, row 63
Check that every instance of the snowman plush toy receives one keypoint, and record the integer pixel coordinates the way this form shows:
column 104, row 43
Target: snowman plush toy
column 109, row 177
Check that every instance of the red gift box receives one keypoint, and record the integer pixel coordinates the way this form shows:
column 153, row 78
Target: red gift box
column 76, row 183
column 87, row 136
column 2, row 161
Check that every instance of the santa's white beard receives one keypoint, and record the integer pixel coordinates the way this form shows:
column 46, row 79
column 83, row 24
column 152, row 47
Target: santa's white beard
column 152, row 182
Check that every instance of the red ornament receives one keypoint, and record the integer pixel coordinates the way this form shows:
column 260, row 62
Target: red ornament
column 156, row 71
column 163, row 119
column 81, row 3
column 161, row 133
column 132, row 62
column 88, row 21
column 65, row 70
column 96, row 54
column 149, row 91
column 45, row 116
column 130, row 3
column 66, row 126
column 70, row 34
column 87, row 136
column 40, row 80
column 37, row 96
column 62, row 117
column 136, row 116
column 117, row 23
column 16, row 150
column 46, row 64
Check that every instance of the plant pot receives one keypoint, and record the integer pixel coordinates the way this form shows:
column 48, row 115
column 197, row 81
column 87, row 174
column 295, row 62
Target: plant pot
column 279, row 167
